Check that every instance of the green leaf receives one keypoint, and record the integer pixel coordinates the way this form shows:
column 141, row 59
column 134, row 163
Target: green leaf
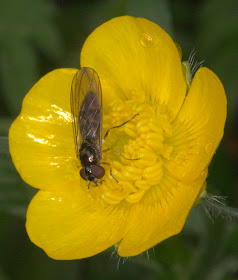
column 157, row 11
column 3, row 275
column 218, row 39
column 217, row 22
column 18, row 72
column 224, row 269
column 24, row 27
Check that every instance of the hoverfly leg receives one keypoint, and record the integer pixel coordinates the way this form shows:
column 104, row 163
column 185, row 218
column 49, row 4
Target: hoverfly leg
column 105, row 163
column 106, row 134
column 112, row 175
column 90, row 183
column 110, row 170
column 124, row 156
column 104, row 151
column 108, row 149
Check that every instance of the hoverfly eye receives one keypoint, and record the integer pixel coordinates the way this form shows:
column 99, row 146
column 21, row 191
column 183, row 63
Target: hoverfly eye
column 82, row 174
column 98, row 171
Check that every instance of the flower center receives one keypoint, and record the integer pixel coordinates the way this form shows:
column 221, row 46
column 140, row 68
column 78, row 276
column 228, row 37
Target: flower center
column 144, row 137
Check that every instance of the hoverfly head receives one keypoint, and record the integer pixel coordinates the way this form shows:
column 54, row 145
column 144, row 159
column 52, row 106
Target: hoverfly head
column 92, row 173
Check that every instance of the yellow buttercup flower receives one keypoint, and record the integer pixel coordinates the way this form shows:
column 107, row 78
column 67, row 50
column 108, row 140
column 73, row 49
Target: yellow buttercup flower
column 175, row 136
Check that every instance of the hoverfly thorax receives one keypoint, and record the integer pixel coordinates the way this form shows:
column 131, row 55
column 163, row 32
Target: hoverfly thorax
column 86, row 109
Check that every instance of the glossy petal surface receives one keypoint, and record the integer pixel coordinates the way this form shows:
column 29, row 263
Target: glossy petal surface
column 137, row 59
column 73, row 225
column 41, row 138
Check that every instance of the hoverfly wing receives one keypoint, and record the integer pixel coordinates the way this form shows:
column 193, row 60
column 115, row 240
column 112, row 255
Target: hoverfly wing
column 86, row 107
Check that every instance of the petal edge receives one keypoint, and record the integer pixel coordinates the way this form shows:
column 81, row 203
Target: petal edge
column 199, row 126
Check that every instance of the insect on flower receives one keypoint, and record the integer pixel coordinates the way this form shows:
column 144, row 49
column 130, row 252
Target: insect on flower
column 86, row 109
column 175, row 135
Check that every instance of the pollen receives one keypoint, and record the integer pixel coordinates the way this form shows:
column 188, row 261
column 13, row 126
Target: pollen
column 134, row 153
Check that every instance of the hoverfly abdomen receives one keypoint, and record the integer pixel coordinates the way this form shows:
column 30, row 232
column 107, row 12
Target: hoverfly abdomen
column 90, row 115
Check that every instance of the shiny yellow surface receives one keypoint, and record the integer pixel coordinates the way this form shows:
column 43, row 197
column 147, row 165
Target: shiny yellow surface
column 134, row 56
column 41, row 138
column 164, row 211
column 198, row 127
column 72, row 225
column 174, row 136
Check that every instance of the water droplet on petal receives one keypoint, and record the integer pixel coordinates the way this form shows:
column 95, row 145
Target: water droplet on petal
column 208, row 148
column 145, row 40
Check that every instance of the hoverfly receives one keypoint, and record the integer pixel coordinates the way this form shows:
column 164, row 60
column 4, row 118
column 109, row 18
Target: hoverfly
column 86, row 109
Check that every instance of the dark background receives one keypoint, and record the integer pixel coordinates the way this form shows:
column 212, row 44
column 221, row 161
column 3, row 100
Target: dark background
column 41, row 35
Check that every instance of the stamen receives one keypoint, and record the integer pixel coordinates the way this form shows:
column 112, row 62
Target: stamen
column 139, row 143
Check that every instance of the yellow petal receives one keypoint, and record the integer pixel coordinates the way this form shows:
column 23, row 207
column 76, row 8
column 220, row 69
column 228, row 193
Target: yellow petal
column 41, row 138
column 161, row 214
column 73, row 225
column 136, row 59
column 199, row 127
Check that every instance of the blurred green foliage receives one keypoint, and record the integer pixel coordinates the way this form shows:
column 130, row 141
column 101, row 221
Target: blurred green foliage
column 38, row 36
